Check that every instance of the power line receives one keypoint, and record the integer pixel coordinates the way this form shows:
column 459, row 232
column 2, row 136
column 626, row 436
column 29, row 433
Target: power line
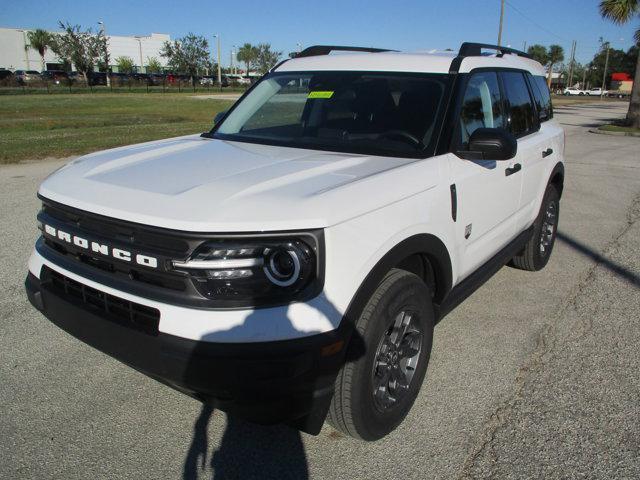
column 523, row 15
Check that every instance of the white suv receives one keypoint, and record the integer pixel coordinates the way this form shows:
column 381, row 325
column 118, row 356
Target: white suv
column 573, row 91
column 292, row 262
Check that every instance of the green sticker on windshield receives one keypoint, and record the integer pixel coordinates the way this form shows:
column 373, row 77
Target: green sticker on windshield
column 320, row 94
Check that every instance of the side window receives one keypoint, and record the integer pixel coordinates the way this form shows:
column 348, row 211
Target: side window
column 481, row 106
column 542, row 96
column 520, row 110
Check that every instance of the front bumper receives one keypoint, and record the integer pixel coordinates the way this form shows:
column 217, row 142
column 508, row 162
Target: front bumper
column 288, row 381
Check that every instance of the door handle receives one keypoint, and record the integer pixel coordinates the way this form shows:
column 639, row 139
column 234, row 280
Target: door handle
column 511, row 170
column 547, row 152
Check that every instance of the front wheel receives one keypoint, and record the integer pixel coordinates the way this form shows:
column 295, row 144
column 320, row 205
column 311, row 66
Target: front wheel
column 537, row 251
column 374, row 394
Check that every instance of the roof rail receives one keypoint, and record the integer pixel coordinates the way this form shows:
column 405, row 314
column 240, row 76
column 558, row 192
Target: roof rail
column 327, row 49
column 470, row 49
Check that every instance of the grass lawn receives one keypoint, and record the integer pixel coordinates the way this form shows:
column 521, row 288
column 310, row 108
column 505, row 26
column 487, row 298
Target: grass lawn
column 619, row 128
column 40, row 126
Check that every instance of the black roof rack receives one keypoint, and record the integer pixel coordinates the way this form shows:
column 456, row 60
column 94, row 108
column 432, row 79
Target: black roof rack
column 469, row 49
column 327, row 49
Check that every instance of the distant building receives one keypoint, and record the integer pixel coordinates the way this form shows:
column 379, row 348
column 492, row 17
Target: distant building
column 14, row 54
column 558, row 81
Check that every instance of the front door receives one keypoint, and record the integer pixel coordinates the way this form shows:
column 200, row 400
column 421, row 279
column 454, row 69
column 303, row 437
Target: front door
column 487, row 195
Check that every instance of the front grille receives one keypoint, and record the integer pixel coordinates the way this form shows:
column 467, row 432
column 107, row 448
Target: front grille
column 161, row 283
column 124, row 312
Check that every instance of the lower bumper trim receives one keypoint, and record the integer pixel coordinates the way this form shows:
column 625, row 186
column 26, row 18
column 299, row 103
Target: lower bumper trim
column 269, row 382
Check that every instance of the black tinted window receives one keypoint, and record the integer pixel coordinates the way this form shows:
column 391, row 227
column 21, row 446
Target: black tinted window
column 542, row 97
column 481, row 107
column 521, row 113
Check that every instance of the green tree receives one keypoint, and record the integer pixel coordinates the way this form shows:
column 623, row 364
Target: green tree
column 40, row 40
column 125, row 64
column 153, row 65
column 266, row 57
column 555, row 55
column 618, row 62
column 80, row 47
column 248, row 54
column 539, row 53
column 189, row 54
column 620, row 12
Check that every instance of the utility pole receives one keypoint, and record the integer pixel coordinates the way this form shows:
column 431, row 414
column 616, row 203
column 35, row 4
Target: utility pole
column 501, row 20
column 584, row 77
column 106, row 53
column 26, row 49
column 604, row 74
column 572, row 61
column 217, row 37
column 140, row 48
column 524, row 46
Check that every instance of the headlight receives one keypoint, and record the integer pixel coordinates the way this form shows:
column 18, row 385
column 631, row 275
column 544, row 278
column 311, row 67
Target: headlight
column 257, row 270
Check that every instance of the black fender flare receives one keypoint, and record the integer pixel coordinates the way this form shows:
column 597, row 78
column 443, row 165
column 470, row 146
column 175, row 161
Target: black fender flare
column 558, row 169
column 423, row 244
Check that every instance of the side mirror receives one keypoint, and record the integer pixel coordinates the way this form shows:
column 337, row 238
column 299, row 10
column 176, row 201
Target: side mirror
column 491, row 144
column 219, row 117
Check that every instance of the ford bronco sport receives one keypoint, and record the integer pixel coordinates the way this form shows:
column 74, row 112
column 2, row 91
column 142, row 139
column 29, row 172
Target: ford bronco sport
column 290, row 264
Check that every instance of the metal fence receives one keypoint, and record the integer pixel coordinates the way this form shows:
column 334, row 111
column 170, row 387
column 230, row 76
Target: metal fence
column 130, row 85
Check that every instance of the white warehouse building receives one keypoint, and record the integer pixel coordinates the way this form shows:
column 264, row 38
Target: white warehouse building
column 16, row 55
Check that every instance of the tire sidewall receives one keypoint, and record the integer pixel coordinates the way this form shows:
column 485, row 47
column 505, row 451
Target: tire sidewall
column 551, row 195
column 406, row 293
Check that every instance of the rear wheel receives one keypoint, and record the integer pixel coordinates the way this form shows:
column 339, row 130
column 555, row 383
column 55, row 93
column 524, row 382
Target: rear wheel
column 535, row 255
column 374, row 394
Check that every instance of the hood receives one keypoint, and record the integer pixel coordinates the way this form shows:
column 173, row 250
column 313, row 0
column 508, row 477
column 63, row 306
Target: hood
column 206, row 185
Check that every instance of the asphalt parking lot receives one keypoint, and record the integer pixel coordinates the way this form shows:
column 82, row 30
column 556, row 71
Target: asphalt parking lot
column 535, row 375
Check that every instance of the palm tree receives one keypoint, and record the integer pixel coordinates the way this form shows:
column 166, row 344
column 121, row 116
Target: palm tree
column 538, row 53
column 622, row 11
column 40, row 40
column 247, row 54
column 555, row 55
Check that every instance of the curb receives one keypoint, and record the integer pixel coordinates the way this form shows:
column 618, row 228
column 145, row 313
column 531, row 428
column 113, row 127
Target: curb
column 615, row 134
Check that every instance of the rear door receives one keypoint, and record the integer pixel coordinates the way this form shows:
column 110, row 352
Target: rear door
column 487, row 198
column 529, row 123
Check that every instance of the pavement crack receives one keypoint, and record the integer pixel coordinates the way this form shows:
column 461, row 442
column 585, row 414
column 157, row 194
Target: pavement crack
column 546, row 340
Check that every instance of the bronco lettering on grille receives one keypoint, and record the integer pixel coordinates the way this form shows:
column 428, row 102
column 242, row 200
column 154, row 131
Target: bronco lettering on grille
column 101, row 248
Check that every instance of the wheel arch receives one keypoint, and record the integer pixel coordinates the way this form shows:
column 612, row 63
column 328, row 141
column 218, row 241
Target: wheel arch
column 423, row 254
column 557, row 177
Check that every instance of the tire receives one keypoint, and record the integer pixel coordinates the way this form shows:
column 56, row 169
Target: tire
column 400, row 305
column 537, row 251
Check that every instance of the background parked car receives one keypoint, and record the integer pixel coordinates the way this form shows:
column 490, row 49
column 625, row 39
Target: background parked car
column 596, row 91
column 5, row 75
column 141, row 78
column 211, row 80
column 76, row 78
column 26, row 76
column 156, row 78
column 120, row 79
column 573, row 91
column 54, row 76
column 97, row 78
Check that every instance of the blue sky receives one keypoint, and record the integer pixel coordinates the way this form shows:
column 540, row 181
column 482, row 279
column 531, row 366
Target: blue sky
column 403, row 25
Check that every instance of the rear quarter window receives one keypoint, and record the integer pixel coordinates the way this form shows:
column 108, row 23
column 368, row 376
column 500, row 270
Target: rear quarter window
column 521, row 114
column 542, row 97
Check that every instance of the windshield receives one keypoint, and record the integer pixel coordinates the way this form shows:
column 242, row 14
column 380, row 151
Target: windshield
column 372, row 113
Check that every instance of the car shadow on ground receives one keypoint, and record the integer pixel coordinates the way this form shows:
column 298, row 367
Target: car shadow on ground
column 610, row 265
column 246, row 451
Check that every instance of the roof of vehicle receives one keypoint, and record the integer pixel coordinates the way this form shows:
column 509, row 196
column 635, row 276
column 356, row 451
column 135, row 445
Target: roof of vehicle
column 423, row 62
